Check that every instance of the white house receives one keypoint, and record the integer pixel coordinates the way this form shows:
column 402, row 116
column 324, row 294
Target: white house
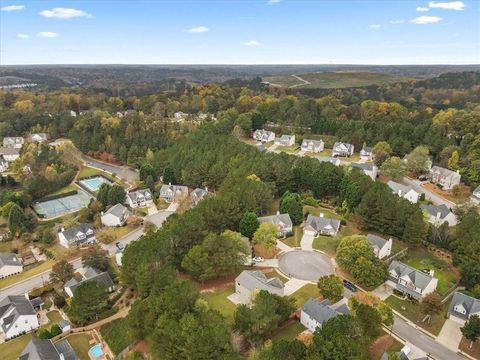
column 198, row 194
column 366, row 153
column 171, row 193
column 117, row 215
column 281, row 221
column 463, row 307
column 83, row 234
column 9, row 264
column 314, row 146
column 285, row 140
column 13, row 142
column 410, row 281
column 10, row 154
column 381, row 247
column 446, row 178
column 367, row 169
column 475, row 198
column 17, row 316
column 180, row 115
column 342, row 149
column 65, row 326
column 264, row 135
column 249, row 283
column 139, row 198
column 321, row 225
column 46, row 349
column 438, row 214
column 3, row 164
column 38, row 137
column 89, row 274
column 315, row 313
column 404, row 191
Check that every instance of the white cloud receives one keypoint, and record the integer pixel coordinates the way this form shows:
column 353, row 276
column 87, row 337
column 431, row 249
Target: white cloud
column 47, row 34
column 273, row 2
column 198, row 29
column 12, row 8
column 375, row 26
column 400, row 21
column 424, row 20
column 64, row 13
column 22, row 36
column 453, row 5
column 422, row 9
column 252, row 43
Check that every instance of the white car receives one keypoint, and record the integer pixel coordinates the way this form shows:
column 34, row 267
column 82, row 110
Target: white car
column 258, row 259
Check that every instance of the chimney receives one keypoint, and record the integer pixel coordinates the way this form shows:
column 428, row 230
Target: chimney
column 206, row 189
column 61, row 356
column 62, row 229
column 169, row 184
column 431, row 272
column 438, row 215
column 278, row 212
column 26, row 296
column 321, row 215
column 399, row 192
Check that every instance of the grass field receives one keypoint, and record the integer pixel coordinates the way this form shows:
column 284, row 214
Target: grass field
column 289, row 332
column 294, row 240
column 88, row 171
column 218, row 301
column 79, row 343
column 115, row 334
column 34, row 270
column 13, row 348
column 327, row 244
column 317, row 210
column 289, row 149
column 273, row 273
column 64, row 190
column 304, row 293
column 334, row 80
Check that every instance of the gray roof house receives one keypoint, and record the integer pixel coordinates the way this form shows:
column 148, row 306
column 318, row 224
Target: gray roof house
column 438, row 214
column 13, row 142
column 410, row 281
column 82, row 234
column 366, row 153
column 9, row 264
column 264, row 135
column 342, row 149
column 38, row 349
column 381, row 247
column 462, row 307
column 315, row 313
column 139, row 198
column 475, row 198
column 89, row 274
column 38, row 137
column 170, row 192
column 3, row 164
column 250, row 282
column 445, row 177
column 404, row 191
column 10, row 154
column 312, row 145
column 368, row 169
column 17, row 315
column 285, row 140
column 117, row 215
column 281, row 221
column 321, row 225
column 198, row 194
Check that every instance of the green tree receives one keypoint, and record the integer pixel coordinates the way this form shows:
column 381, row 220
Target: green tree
column 168, row 176
column 146, row 170
column 394, row 167
column 248, row 224
column 102, row 194
column 331, row 287
column 291, row 203
column 415, row 229
column 369, row 319
column 97, row 259
column 454, row 161
column 471, row 329
column 90, row 299
column 61, row 272
column 352, row 248
column 369, row 272
column 418, row 161
column 266, row 235
column 116, row 195
column 381, row 152
column 16, row 219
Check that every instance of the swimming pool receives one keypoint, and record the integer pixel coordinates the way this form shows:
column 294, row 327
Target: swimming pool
column 96, row 351
column 93, row 184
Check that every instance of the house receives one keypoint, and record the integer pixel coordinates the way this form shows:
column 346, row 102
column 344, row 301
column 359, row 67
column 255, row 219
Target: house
column 381, row 247
column 475, row 198
column 198, row 194
column 9, row 264
column 38, row 137
column 281, row 221
column 260, row 147
column 117, row 215
column 285, row 140
column 3, row 164
column 73, row 113
column 89, row 274
column 367, row 169
column 180, row 115
column 463, row 307
column 410, row 281
column 65, row 326
column 314, row 313
column 38, row 349
column 366, row 153
column 264, row 135
column 139, row 198
column 171, row 193
column 13, row 142
column 10, row 154
column 404, row 191
column 438, row 214
column 17, row 316
column 447, row 179
column 83, row 234
column 248, row 283
column 342, row 149
column 321, row 225
column 314, row 146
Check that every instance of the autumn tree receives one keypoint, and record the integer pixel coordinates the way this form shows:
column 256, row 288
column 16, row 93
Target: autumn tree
column 431, row 304
column 266, row 235
column 61, row 272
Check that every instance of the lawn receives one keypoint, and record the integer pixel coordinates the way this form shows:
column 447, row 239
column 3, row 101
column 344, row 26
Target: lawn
column 12, row 349
column 54, row 317
column 79, row 343
column 64, row 190
column 295, row 239
column 397, row 246
column 34, row 270
column 115, row 334
column 89, row 171
column 327, row 244
column 317, row 210
column 289, row 149
column 218, row 301
column 411, row 310
column 304, row 293
column 420, row 259
column 289, row 332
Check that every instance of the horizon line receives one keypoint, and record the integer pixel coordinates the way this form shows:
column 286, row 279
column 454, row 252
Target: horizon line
column 244, row 64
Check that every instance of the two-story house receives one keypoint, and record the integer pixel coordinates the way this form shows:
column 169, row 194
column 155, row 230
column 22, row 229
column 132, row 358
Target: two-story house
column 89, row 274
column 38, row 137
column 281, row 221
column 264, row 135
column 83, row 234
column 285, row 140
column 366, row 153
column 14, row 142
column 342, row 149
column 404, row 191
column 17, row 316
column 198, row 194
column 370, row 170
column 171, row 193
column 446, row 178
column 321, row 225
column 10, row 154
column 462, row 307
column 314, row 146
column 314, row 313
column 438, row 214
column 410, row 281
column 382, row 248
column 117, row 215
column 139, row 198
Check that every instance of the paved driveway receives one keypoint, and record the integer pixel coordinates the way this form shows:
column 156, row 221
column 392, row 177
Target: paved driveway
column 305, row 265
column 436, row 199
column 293, row 285
column 307, row 242
column 450, row 335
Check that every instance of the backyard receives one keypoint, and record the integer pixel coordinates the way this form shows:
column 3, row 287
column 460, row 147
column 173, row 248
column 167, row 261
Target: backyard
column 304, row 293
column 116, row 334
column 12, row 349
column 217, row 300
column 54, row 317
column 289, row 332
column 80, row 343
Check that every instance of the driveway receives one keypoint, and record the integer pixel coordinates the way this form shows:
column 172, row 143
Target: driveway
column 267, row 263
column 307, row 242
column 436, row 199
column 283, row 247
column 450, row 335
column 383, row 291
column 305, row 265
column 237, row 299
column 293, row 285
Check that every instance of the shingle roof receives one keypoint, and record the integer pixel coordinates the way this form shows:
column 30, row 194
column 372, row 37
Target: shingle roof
column 322, row 223
column 377, row 241
column 307, row 142
column 417, row 277
column 134, row 195
column 9, row 259
column 367, row 149
column 324, row 310
column 91, row 274
column 117, row 210
column 471, row 305
column 435, row 209
column 257, row 280
column 347, row 146
column 199, row 193
column 280, row 220
column 396, row 187
column 443, row 172
column 9, row 151
column 365, row 167
column 18, row 305
column 72, row 232
column 38, row 349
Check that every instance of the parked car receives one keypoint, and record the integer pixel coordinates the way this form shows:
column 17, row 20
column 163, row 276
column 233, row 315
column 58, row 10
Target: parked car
column 119, row 245
column 258, row 259
column 349, row 285
column 423, row 178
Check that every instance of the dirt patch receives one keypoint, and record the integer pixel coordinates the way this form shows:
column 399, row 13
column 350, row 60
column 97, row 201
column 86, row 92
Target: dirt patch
column 474, row 351
column 380, row 345
column 447, row 194
column 260, row 250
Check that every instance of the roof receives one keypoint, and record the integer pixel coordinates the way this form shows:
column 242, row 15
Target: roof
column 199, row 193
column 91, row 274
column 417, row 277
column 15, row 305
column 476, row 192
column 366, row 149
column 280, row 220
column 324, row 310
column 9, row 151
column 63, row 324
column 71, row 233
column 117, row 210
column 173, row 188
column 286, row 137
column 9, row 259
column 307, row 142
column 257, row 280
column 134, row 195
column 364, row 167
column 342, row 144
column 443, row 172
column 3, row 161
column 322, row 223
column 471, row 305
column 435, row 209
column 377, row 241
column 396, row 187
column 38, row 349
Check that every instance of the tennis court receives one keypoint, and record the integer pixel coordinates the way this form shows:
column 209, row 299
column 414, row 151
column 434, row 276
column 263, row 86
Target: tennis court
column 61, row 206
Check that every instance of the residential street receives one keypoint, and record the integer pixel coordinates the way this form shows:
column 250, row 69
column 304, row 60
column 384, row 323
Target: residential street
column 437, row 200
column 123, row 172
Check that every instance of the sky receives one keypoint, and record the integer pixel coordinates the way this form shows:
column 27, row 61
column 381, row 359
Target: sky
column 239, row 32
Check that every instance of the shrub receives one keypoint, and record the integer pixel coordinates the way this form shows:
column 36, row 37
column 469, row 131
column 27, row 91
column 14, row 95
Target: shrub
column 55, row 330
column 44, row 334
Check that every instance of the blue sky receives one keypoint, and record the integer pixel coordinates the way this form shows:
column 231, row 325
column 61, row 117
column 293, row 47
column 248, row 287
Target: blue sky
column 239, row 32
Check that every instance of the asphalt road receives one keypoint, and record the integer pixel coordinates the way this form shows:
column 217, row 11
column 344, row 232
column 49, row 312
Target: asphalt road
column 123, row 172
column 417, row 186
column 305, row 265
